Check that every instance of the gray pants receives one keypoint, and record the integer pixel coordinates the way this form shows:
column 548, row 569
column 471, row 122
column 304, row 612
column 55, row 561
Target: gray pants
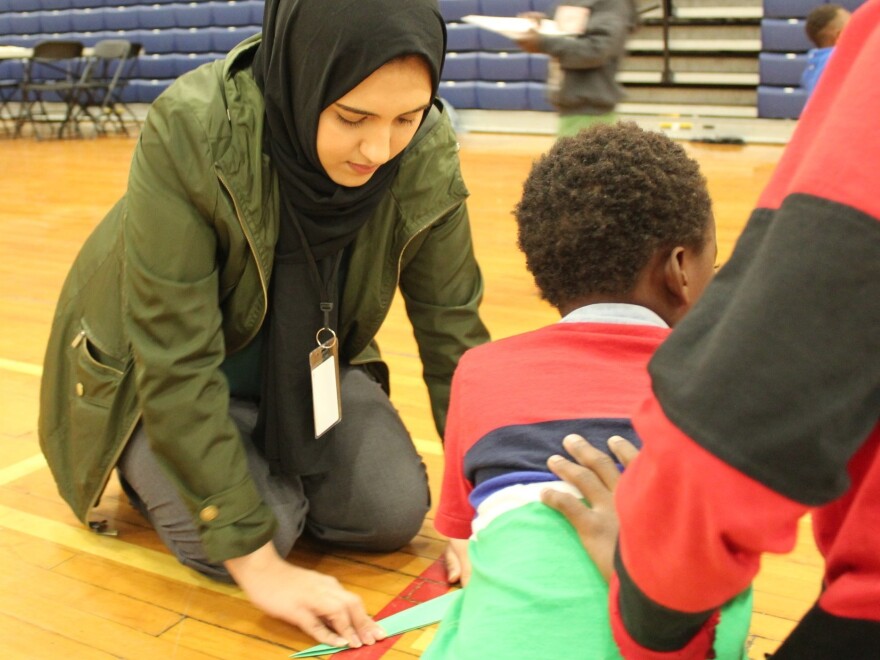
column 375, row 498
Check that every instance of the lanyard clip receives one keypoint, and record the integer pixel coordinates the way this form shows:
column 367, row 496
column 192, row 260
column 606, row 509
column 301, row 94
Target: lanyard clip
column 327, row 307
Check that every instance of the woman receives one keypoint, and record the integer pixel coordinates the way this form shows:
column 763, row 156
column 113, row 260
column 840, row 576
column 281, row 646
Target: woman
column 275, row 200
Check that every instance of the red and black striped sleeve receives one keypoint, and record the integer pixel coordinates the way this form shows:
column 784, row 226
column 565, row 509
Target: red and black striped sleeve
column 766, row 395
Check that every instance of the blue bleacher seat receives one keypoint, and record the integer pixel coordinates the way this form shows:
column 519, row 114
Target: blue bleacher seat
column 538, row 64
column 5, row 24
column 87, row 20
column 185, row 63
column 257, row 12
column 12, row 69
column 90, row 38
column 55, row 21
column 192, row 15
column 225, row 39
column 781, row 35
column 852, row 5
column 780, row 102
column 461, row 66
column 25, row 40
column 156, row 67
column 504, row 66
column 121, row 18
column 783, row 69
column 144, row 91
column 24, row 23
column 544, row 6
column 504, row 7
column 154, row 17
column 537, row 93
column 493, row 41
column 462, row 37
column 21, row 5
column 193, row 40
column 154, row 41
column 790, row 8
column 502, row 96
column 453, row 10
column 232, row 13
column 459, row 94
column 84, row 4
column 54, row 4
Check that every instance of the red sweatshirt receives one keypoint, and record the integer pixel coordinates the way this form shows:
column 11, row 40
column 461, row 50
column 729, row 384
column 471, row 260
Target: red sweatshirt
column 766, row 399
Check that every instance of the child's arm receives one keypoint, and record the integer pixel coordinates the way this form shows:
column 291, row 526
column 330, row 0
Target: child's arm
column 458, row 566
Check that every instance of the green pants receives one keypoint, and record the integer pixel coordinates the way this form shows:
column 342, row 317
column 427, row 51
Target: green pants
column 570, row 125
column 535, row 594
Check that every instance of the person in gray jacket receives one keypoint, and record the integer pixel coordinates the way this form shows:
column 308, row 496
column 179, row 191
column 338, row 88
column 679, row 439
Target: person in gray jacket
column 220, row 315
column 581, row 79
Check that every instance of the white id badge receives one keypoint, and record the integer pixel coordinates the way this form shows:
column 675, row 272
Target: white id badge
column 326, row 399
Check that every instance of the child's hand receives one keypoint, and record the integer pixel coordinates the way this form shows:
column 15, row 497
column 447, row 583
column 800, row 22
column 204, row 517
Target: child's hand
column 596, row 477
column 458, row 566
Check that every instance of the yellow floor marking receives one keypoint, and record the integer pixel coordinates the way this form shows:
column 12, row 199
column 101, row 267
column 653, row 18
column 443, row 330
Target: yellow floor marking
column 428, row 447
column 21, row 469
column 106, row 547
column 21, row 367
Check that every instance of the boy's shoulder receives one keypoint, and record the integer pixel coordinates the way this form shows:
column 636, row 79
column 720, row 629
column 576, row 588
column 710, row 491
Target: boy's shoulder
column 561, row 335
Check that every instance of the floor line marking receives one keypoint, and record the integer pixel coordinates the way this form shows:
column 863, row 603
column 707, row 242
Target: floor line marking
column 21, row 367
column 22, row 469
column 107, row 547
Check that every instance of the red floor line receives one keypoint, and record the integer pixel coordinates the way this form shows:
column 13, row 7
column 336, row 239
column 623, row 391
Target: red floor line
column 430, row 584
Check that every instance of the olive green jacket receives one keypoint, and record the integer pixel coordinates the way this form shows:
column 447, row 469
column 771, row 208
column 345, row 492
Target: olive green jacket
column 174, row 280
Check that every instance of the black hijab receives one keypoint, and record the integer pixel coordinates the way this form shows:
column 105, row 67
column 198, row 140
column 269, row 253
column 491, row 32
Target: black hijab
column 312, row 53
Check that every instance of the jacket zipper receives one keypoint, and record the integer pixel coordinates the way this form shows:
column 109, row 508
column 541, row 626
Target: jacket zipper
column 421, row 230
column 250, row 240
column 102, row 529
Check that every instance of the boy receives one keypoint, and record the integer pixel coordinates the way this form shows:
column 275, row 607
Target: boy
column 617, row 228
column 823, row 27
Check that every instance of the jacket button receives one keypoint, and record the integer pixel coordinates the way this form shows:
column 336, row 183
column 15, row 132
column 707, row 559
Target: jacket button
column 80, row 390
column 209, row 513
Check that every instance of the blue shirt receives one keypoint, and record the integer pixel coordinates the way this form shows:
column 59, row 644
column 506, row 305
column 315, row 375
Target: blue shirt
column 817, row 58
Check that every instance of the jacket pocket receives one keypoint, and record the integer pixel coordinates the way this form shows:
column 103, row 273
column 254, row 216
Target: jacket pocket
column 97, row 374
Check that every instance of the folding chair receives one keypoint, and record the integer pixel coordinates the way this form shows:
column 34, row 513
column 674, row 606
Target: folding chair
column 11, row 73
column 52, row 74
column 119, row 96
column 97, row 94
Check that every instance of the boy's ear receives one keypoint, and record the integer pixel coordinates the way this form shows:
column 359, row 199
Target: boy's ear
column 676, row 278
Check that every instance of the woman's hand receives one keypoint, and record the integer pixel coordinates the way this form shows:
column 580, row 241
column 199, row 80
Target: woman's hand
column 315, row 603
column 458, row 566
column 596, row 478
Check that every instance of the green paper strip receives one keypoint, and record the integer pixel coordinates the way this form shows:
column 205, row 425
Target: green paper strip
column 418, row 616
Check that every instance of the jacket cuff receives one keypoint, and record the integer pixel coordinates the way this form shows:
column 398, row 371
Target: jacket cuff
column 698, row 648
column 234, row 522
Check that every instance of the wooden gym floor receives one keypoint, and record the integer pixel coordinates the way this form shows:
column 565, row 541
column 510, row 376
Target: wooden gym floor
column 65, row 592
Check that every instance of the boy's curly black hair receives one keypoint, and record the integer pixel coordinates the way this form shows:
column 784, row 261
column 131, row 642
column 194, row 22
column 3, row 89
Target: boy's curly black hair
column 597, row 206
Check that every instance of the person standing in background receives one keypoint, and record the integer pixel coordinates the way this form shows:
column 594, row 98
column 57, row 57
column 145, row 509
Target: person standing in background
column 581, row 81
column 824, row 25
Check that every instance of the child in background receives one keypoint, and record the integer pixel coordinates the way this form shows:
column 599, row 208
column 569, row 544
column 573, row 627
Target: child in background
column 823, row 27
column 617, row 228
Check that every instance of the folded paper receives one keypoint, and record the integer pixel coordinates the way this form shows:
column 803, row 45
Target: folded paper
column 417, row 616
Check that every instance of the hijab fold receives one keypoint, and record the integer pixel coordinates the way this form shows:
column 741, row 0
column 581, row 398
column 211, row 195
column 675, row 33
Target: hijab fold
column 312, row 53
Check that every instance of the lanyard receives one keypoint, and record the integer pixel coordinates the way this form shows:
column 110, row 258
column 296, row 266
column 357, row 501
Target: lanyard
column 326, row 303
